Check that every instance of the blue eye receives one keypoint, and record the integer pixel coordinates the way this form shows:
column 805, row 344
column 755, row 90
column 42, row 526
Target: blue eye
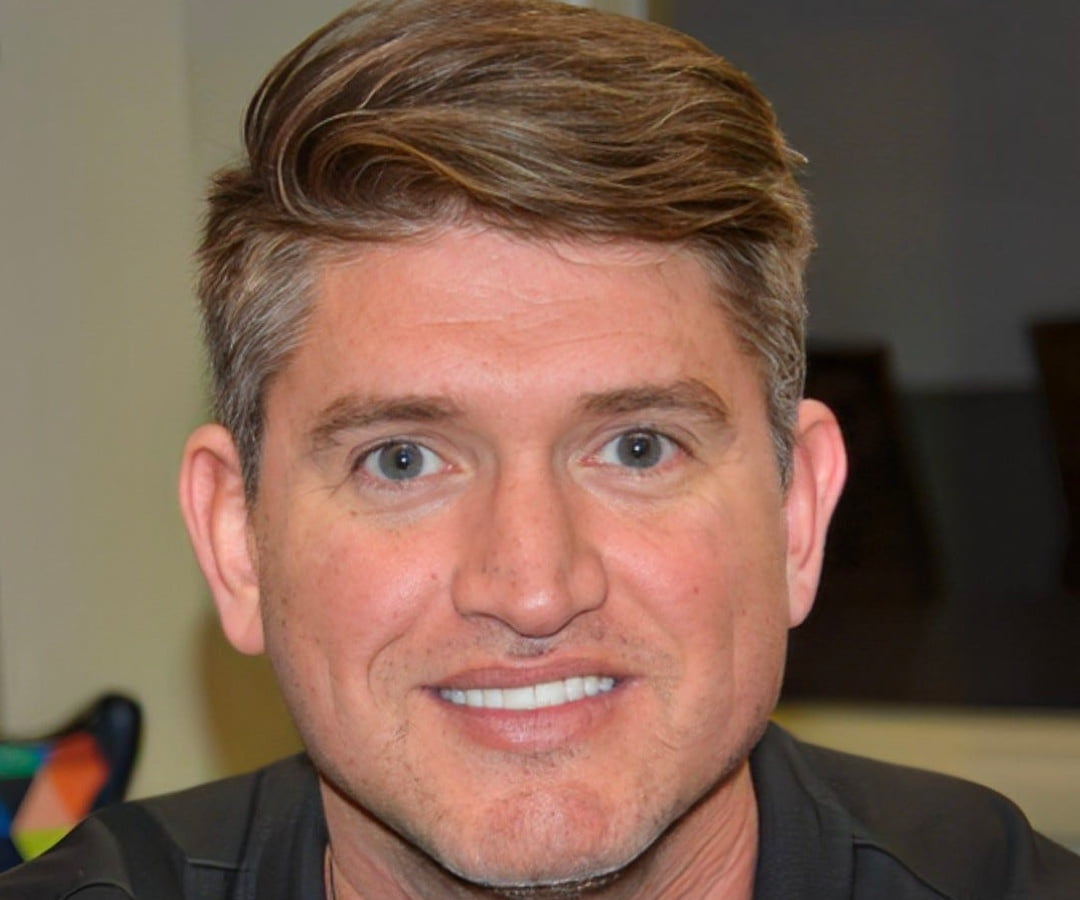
column 641, row 449
column 400, row 461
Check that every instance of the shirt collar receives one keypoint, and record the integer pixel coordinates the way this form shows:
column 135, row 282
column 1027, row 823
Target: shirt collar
column 805, row 838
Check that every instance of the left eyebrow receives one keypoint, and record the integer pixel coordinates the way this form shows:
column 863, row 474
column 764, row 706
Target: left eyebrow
column 689, row 395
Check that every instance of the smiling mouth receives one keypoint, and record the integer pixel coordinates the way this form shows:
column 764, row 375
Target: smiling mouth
column 533, row 696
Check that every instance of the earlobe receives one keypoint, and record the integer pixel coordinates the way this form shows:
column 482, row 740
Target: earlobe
column 819, row 467
column 215, row 511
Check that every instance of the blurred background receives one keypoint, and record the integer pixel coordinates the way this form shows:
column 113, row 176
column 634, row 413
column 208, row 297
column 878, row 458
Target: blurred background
column 943, row 140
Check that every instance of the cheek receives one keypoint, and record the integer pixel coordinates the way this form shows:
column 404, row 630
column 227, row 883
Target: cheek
column 707, row 566
column 338, row 600
column 714, row 594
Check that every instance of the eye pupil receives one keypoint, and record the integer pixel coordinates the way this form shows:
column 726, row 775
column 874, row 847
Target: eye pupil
column 639, row 450
column 400, row 461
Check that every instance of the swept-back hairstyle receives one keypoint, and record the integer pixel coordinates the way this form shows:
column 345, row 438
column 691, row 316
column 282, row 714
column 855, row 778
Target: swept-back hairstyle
column 401, row 117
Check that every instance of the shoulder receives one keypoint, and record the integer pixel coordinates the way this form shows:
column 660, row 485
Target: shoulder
column 955, row 837
column 159, row 847
column 212, row 822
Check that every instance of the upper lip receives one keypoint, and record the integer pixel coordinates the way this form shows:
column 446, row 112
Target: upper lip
column 503, row 676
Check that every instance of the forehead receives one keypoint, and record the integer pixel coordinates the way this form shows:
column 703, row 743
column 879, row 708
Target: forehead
column 481, row 303
column 485, row 275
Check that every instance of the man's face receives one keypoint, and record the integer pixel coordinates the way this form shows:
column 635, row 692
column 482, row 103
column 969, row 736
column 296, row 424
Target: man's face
column 521, row 548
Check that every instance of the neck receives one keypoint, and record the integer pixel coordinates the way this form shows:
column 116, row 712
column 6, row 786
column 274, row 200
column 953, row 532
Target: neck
column 709, row 853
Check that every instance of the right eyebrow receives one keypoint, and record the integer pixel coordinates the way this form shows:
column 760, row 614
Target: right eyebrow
column 353, row 411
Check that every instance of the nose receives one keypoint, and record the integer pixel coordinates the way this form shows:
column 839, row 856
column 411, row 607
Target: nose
column 528, row 562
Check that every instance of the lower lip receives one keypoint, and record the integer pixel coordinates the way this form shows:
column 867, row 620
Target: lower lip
column 534, row 730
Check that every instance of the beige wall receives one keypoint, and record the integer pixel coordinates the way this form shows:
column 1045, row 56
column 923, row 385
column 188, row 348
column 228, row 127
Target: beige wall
column 99, row 379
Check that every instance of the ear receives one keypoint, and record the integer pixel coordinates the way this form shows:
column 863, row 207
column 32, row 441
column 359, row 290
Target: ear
column 217, row 517
column 819, row 466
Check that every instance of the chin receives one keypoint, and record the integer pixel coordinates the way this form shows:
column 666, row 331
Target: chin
column 557, row 841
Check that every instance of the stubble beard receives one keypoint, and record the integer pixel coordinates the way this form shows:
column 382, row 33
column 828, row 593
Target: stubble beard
column 622, row 880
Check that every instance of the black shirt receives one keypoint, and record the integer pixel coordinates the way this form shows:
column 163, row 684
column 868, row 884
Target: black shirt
column 832, row 827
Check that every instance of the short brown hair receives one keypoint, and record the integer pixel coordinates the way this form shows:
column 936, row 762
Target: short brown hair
column 532, row 116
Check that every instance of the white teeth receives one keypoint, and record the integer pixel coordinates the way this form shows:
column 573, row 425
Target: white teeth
column 536, row 696
column 520, row 698
column 551, row 693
